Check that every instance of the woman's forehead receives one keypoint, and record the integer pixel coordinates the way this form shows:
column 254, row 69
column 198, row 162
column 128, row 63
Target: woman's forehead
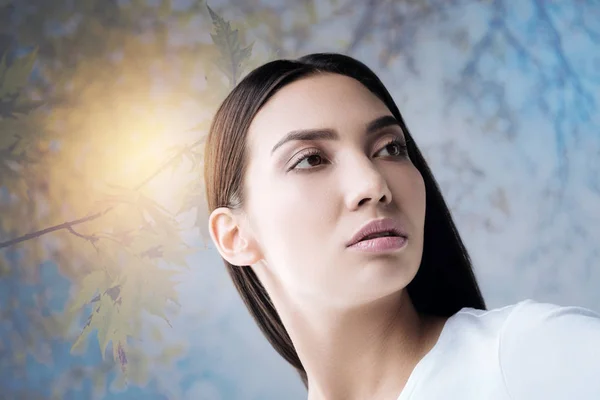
column 320, row 101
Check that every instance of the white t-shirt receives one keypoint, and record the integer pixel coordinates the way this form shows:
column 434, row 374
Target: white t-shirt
column 526, row 351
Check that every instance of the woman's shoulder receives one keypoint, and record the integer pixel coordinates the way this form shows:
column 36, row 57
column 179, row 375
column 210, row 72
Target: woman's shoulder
column 538, row 326
column 522, row 329
column 528, row 314
column 527, row 350
column 528, row 325
column 550, row 349
column 531, row 317
column 487, row 322
column 541, row 350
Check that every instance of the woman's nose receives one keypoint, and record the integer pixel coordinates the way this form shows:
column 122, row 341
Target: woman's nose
column 366, row 184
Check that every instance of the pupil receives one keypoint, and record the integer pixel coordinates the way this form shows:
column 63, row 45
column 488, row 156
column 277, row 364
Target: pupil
column 315, row 157
column 394, row 146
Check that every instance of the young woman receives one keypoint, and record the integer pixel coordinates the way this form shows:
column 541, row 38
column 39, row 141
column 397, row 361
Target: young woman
column 339, row 241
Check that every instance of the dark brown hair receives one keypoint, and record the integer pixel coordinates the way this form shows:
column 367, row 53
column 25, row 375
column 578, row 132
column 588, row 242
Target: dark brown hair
column 445, row 282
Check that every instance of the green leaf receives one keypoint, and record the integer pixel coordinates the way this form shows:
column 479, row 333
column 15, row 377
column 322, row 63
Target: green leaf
column 77, row 346
column 119, row 352
column 246, row 51
column 96, row 281
column 227, row 40
column 16, row 76
column 156, row 289
column 178, row 256
column 156, row 306
column 2, row 67
column 104, row 321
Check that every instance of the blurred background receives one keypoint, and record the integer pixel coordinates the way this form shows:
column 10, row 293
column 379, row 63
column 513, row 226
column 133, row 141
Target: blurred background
column 109, row 286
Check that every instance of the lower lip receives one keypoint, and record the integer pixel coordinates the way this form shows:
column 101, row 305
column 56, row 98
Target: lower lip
column 381, row 244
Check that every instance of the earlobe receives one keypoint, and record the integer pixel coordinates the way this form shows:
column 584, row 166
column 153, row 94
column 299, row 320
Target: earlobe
column 227, row 233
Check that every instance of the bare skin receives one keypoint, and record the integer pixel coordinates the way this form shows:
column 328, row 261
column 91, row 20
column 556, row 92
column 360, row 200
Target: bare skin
column 367, row 352
column 348, row 313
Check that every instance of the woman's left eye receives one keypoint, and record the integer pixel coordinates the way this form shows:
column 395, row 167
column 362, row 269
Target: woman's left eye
column 395, row 148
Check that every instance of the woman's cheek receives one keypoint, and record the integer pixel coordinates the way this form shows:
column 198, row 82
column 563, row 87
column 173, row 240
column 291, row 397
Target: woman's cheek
column 418, row 198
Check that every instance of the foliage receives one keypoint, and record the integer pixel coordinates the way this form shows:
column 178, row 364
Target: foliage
column 232, row 54
column 100, row 176
column 80, row 165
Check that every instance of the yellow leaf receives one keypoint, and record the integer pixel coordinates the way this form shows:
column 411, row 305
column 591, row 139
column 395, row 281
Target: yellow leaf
column 96, row 281
column 177, row 255
column 103, row 321
column 143, row 241
column 119, row 344
column 156, row 306
column 77, row 348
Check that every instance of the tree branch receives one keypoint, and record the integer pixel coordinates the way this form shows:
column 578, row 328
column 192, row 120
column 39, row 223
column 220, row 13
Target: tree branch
column 91, row 238
column 65, row 225
column 69, row 225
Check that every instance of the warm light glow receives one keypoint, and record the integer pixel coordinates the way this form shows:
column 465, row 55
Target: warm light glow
column 120, row 133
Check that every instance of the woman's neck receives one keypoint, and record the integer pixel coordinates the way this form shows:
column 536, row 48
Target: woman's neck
column 366, row 353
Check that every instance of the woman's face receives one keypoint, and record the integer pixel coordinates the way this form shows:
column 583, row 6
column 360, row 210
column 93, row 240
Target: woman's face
column 305, row 199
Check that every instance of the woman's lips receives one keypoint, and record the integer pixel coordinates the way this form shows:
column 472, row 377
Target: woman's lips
column 380, row 244
column 389, row 226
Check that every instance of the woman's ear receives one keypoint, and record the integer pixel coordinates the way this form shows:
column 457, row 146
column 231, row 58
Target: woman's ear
column 232, row 240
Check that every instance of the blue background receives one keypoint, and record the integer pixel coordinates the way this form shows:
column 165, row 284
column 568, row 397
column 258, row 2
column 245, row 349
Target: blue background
column 503, row 99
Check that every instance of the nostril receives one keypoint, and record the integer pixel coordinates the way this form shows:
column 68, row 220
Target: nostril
column 383, row 199
column 363, row 201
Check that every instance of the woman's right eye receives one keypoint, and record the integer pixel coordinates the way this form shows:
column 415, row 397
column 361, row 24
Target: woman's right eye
column 308, row 160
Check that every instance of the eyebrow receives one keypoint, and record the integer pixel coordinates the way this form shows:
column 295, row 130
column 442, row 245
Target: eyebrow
column 329, row 134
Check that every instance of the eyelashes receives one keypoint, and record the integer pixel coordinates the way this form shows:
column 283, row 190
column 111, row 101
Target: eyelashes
column 306, row 155
column 316, row 155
